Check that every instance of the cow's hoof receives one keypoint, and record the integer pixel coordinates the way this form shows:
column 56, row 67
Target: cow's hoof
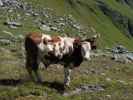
column 39, row 81
column 66, row 87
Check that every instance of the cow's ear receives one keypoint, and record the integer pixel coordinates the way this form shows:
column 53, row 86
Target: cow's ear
column 77, row 43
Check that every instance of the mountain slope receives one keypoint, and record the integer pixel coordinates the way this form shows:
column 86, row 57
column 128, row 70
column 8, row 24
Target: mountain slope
column 112, row 18
column 101, row 78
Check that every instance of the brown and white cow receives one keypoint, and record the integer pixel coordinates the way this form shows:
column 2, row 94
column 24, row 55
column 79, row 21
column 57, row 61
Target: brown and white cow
column 47, row 49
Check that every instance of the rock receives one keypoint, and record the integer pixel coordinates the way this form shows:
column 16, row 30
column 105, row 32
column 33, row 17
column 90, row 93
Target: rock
column 103, row 74
column 45, row 28
column 27, row 14
column 108, row 79
column 85, row 88
column 54, row 28
column 20, row 37
column 130, row 56
column 92, row 88
column 108, row 96
column 13, row 24
column 11, row 3
column 122, row 82
column 1, row 3
column 121, row 54
column 5, row 42
column 119, row 49
column 35, row 14
column 62, row 24
column 77, row 26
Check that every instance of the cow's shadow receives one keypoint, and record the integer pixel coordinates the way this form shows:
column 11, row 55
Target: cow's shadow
column 14, row 82
column 10, row 82
column 55, row 85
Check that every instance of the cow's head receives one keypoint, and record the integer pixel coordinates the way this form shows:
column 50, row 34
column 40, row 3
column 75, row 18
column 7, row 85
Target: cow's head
column 86, row 46
column 85, row 50
column 92, row 41
column 82, row 48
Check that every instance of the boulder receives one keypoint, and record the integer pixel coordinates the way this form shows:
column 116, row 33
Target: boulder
column 1, row 3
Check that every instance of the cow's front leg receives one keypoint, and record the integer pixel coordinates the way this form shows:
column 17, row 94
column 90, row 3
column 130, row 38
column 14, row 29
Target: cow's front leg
column 67, row 76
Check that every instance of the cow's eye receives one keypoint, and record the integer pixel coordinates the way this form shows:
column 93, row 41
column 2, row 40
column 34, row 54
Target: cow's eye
column 54, row 45
column 45, row 41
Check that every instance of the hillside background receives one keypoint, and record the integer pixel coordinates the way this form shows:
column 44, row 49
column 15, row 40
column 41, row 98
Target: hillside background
column 111, row 18
column 107, row 76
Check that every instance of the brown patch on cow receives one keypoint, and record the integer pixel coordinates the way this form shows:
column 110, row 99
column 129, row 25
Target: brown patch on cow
column 55, row 39
column 36, row 37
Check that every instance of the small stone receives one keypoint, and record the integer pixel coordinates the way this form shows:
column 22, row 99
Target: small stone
column 54, row 28
column 1, row 3
column 45, row 28
column 108, row 96
column 108, row 79
column 13, row 24
column 103, row 74
column 5, row 41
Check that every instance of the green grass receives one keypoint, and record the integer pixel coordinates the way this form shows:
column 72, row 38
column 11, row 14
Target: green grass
column 114, row 76
column 85, row 12
column 88, row 14
column 25, row 89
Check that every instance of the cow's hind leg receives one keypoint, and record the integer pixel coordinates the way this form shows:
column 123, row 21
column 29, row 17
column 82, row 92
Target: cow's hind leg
column 29, row 70
column 38, row 76
column 32, row 68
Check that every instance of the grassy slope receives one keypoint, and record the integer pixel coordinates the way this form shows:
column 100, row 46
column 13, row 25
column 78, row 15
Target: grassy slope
column 115, row 77
column 87, row 13
column 90, row 15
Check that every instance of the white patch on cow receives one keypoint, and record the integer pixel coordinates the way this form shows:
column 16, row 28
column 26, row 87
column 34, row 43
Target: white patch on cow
column 49, row 47
column 85, row 50
column 68, row 45
column 43, row 47
column 48, row 37
column 58, row 48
